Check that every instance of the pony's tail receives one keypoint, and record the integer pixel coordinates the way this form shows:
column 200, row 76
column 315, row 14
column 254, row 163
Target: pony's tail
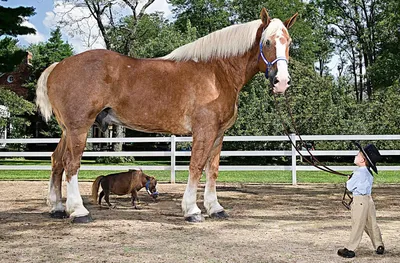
column 95, row 188
column 42, row 99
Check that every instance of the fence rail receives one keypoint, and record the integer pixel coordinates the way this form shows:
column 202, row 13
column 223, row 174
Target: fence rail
column 173, row 153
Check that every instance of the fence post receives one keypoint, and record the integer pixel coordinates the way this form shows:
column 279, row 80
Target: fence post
column 294, row 179
column 173, row 151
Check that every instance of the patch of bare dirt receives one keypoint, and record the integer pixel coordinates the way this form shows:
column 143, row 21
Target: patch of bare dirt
column 268, row 223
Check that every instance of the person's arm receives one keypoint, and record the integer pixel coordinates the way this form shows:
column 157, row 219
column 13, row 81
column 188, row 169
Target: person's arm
column 351, row 184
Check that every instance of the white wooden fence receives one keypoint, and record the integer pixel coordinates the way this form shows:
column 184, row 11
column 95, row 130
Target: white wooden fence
column 173, row 153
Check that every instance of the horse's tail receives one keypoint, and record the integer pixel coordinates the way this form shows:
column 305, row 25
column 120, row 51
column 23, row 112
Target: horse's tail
column 95, row 188
column 42, row 99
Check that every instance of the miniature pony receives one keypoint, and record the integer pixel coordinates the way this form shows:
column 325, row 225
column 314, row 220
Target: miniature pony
column 124, row 183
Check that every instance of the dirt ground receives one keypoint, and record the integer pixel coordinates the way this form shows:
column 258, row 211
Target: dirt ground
column 268, row 223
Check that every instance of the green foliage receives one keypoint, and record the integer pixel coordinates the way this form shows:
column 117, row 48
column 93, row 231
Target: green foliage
column 10, row 24
column 115, row 159
column 205, row 15
column 18, row 108
column 46, row 53
column 155, row 37
column 386, row 69
column 12, row 18
column 10, row 54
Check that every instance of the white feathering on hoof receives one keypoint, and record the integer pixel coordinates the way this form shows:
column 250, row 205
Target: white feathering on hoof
column 42, row 99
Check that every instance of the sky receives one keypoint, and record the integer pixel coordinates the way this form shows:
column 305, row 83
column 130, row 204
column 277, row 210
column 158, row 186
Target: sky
column 49, row 13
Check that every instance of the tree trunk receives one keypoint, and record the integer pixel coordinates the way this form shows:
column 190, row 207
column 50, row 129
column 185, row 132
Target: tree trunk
column 360, row 69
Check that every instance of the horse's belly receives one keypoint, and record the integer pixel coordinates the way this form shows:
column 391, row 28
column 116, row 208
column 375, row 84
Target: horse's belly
column 161, row 124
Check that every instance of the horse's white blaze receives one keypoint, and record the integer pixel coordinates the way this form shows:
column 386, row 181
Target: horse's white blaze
column 74, row 202
column 210, row 199
column 53, row 200
column 189, row 206
column 283, row 73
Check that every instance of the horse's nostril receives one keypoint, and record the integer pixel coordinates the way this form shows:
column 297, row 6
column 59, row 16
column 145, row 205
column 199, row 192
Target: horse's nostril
column 276, row 81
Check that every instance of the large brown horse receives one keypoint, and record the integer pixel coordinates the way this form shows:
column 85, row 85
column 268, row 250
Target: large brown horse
column 193, row 90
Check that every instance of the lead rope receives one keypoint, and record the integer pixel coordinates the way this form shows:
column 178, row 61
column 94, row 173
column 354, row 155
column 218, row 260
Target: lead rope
column 305, row 146
column 322, row 167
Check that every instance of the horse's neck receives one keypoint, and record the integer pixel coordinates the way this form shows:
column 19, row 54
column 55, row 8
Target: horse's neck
column 241, row 69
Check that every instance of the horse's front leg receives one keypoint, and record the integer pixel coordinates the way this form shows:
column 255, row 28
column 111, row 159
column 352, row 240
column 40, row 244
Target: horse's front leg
column 76, row 142
column 54, row 199
column 134, row 198
column 214, row 209
column 203, row 141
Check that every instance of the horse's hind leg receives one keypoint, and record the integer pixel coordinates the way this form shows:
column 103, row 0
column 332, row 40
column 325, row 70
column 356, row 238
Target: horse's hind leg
column 76, row 141
column 214, row 209
column 57, row 210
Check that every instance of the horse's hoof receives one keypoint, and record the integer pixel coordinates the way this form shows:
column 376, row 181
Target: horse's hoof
column 197, row 218
column 58, row 214
column 82, row 219
column 220, row 215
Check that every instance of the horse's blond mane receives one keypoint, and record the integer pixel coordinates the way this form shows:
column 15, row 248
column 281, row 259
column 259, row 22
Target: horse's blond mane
column 230, row 41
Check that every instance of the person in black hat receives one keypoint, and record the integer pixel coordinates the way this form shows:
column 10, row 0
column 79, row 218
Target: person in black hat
column 363, row 214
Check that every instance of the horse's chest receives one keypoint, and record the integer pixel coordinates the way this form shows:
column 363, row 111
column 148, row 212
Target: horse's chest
column 231, row 116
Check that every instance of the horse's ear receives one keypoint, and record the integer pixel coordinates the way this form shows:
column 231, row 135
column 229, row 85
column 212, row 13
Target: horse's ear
column 289, row 23
column 265, row 17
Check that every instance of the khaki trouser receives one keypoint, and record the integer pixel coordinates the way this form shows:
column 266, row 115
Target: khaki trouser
column 363, row 217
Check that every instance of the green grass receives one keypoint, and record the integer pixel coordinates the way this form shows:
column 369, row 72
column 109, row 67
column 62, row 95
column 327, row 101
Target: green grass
column 266, row 177
column 384, row 177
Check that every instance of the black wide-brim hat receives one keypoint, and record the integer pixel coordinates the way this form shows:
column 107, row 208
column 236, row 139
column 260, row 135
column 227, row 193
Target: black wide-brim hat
column 371, row 153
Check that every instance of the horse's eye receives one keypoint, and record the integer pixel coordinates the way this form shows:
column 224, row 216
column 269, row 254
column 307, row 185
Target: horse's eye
column 267, row 43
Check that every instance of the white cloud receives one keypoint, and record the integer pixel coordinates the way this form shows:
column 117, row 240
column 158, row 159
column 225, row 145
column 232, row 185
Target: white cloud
column 161, row 6
column 81, row 30
column 77, row 26
column 32, row 38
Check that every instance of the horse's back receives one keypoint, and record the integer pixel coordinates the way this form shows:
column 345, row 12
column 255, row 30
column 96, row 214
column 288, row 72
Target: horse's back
column 121, row 183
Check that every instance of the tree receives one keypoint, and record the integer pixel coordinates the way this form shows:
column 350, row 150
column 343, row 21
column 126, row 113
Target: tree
column 45, row 54
column 205, row 15
column 156, row 36
column 18, row 108
column 105, row 15
column 356, row 27
column 10, row 25
column 386, row 69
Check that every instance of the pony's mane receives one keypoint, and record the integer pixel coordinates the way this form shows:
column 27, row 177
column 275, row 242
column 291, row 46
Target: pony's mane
column 230, row 41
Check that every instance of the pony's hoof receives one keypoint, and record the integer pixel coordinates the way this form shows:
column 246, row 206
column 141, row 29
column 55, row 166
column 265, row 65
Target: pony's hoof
column 220, row 215
column 82, row 219
column 58, row 214
column 197, row 218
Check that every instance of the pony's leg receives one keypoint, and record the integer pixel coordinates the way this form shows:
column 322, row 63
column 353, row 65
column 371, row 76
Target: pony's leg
column 106, row 191
column 107, row 197
column 134, row 198
column 214, row 209
column 76, row 141
column 202, row 144
column 57, row 210
column 101, row 196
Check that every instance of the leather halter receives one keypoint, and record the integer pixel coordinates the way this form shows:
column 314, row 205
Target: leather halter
column 267, row 63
